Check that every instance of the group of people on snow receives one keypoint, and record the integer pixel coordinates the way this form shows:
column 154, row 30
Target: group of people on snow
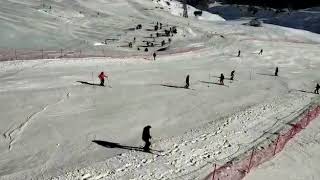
column 159, row 26
column 146, row 130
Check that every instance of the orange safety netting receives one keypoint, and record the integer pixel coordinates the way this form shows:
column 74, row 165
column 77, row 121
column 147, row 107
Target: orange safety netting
column 237, row 170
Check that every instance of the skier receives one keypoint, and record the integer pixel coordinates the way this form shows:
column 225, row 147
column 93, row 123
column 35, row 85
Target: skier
column 232, row 75
column 221, row 79
column 154, row 56
column 101, row 77
column 261, row 51
column 239, row 53
column 276, row 72
column 187, row 82
column 146, row 138
column 316, row 91
column 146, row 50
column 163, row 43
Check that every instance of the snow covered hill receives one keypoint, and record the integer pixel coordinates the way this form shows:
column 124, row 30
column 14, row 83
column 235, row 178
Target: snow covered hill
column 56, row 123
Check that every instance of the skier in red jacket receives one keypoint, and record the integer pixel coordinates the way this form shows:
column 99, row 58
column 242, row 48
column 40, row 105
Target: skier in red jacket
column 101, row 77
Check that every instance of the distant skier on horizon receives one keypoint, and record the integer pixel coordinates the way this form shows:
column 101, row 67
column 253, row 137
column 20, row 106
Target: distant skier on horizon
column 146, row 138
column 221, row 79
column 261, row 51
column 101, row 77
column 187, row 82
column 276, row 71
column 316, row 91
column 232, row 75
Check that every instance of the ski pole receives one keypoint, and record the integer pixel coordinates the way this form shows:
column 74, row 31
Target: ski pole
column 108, row 82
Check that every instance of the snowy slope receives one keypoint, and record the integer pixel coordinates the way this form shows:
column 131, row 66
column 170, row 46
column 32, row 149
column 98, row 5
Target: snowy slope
column 76, row 24
column 49, row 119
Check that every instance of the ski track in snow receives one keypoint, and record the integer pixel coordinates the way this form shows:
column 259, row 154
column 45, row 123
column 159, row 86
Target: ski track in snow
column 200, row 148
column 190, row 155
column 13, row 134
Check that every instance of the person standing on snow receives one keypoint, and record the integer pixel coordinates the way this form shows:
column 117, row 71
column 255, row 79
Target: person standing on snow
column 146, row 138
column 239, row 53
column 276, row 71
column 261, row 51
column 232, row 75
column 187, row 82
column 101, row 77
column 221, row 79
column 316, row 91
column 154, row 56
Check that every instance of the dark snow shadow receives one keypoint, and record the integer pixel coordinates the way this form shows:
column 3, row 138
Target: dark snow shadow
column 172, row 86
column 224, row 78
column 304, row 91
column 206, row 82
column 87, row 83
column 112, row 145
column 263, row 74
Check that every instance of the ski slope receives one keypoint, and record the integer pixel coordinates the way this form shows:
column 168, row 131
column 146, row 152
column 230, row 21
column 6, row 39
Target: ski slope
column 49, row 119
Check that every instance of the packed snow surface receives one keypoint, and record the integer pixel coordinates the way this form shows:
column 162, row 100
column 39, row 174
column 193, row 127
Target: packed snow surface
column 50, row 114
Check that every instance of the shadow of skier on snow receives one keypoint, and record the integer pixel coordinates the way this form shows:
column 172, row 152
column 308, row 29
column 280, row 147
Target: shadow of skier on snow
column 111, row 145
column 227, row 78
column 206, row 82
column 87, row 83
column 304, row 91
column 264, row 74
column 172, row 86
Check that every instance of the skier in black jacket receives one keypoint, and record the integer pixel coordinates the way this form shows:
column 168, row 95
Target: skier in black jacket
column 154, row 56
column 146, row 138
column 232, row 75
column 276, row 72
column 187, row 82
column 221, row 79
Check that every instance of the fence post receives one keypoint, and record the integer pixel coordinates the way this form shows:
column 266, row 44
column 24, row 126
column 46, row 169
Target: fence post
column 250, row 162
column 15, row 54
column 214, row 171
column 103, row 52
column 275, row 148
column 308, row 114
